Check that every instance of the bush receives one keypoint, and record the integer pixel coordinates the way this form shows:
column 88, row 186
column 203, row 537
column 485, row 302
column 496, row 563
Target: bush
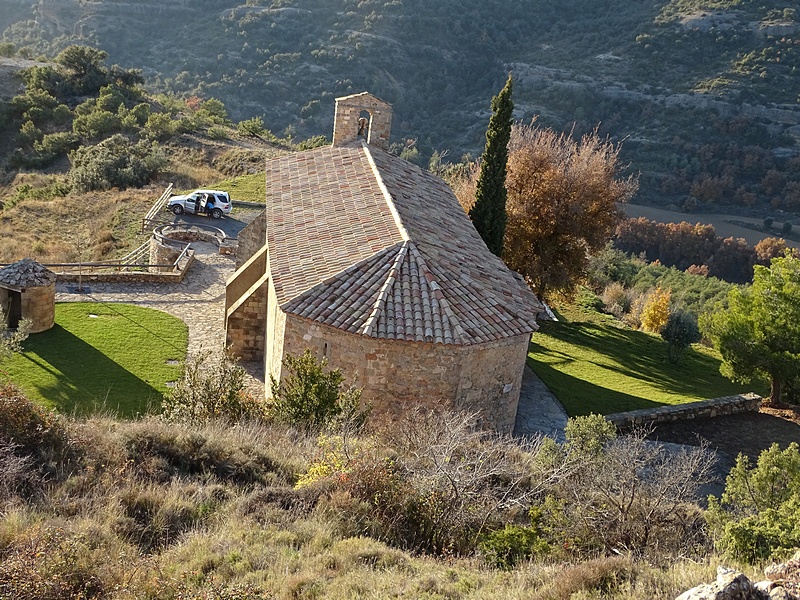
column 589, row 435
column 96, row 124
column 655, row 311
column 680, row 332
column 31, row 430
column 114, row 162
column 786, row 229
column 616, row 299
column 768, row 221
column 212, row 386
column 311, row 398
column 630, row 496
column 430, row 482
column 756, row 517
column 251, row 127
column 505, row 548
column 588, row 300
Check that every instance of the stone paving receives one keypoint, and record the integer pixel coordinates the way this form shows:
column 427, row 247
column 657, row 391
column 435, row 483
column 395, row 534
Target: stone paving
column 539, row 411
column 199, row 301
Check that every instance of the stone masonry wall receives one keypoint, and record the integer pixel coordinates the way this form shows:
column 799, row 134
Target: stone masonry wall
column 395, row 375
column 252, row 238
column 245, row 331
column 276, row 325
column 162, row 254
column 39, row 305
column 348, row 111
column 716, row 407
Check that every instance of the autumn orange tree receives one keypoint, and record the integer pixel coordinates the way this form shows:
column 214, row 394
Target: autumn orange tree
column 562, row 204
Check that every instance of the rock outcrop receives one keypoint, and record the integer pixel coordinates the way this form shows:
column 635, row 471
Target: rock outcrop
column 782, row 583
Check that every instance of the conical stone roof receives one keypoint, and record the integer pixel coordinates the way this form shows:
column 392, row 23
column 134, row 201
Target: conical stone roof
column 26, row 273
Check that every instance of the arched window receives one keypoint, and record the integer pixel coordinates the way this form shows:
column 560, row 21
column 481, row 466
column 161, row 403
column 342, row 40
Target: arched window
column 364, row 124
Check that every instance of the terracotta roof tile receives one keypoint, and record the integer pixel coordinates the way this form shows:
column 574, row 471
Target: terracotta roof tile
column 365, row 241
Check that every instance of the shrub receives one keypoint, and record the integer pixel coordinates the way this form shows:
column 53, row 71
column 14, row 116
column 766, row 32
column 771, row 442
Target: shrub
column 216, row 132
column 655, row 311
column 251, row 127
column 114, row 162
column 756, row 517
column 57, row 144
column 768, row 221
column 588, row 300
column 32, row 430
column 617, row 299
column 313, row 142
column 680, row 332
column 311, row 397
column 432, row 483
column 505, row 548
column 786, row 229
column 29, row 133
column 589, row 435
column 160, row 126
column 96, row 124
column 212, row 386
column 625, row 494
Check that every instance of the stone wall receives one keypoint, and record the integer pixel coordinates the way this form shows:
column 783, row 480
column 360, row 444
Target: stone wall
column 252, row 238
column 175, row 276
column 348, row 111
column 276, row 325
column 727, row 405
column 395, row 375
column 37, row 304
column 245, row 327
column 162, row 253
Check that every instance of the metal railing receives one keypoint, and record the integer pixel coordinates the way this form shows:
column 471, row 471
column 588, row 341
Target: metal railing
column 152, row 217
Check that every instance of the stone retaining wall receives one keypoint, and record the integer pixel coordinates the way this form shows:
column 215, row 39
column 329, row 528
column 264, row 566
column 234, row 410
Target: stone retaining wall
column 727, row 405
column 173, row 276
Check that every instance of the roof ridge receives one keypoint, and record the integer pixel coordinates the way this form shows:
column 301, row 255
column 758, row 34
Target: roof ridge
column 380, row 301
column 433, row 284
column 386, row 193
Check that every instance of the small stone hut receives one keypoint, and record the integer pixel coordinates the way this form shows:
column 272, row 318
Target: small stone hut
column 370, row 262
column 28, row 291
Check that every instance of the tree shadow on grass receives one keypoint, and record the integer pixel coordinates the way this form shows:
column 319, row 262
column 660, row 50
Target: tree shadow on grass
column 580, row 397
column 643, row 357
column 86, row 380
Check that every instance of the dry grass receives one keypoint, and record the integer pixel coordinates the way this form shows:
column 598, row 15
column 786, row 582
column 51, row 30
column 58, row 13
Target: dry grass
column 104, row 225
column 165, row 511
column 96, row 225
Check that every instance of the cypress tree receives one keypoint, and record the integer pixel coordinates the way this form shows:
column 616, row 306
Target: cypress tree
column 488, row 214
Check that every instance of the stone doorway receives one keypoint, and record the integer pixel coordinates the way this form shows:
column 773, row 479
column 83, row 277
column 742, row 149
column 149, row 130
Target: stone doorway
column 14, row 309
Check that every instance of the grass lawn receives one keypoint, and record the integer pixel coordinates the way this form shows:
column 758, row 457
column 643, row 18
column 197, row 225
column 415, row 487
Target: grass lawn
column 112, row 357
column 597, row 367
column 246, row 188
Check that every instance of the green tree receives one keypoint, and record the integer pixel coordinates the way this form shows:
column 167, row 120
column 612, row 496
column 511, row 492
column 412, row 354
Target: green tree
column 488, row 214
column 86, row 65
column 759, row 334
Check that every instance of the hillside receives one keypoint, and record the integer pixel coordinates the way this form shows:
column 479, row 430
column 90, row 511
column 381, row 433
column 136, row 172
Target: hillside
column 703, row 92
